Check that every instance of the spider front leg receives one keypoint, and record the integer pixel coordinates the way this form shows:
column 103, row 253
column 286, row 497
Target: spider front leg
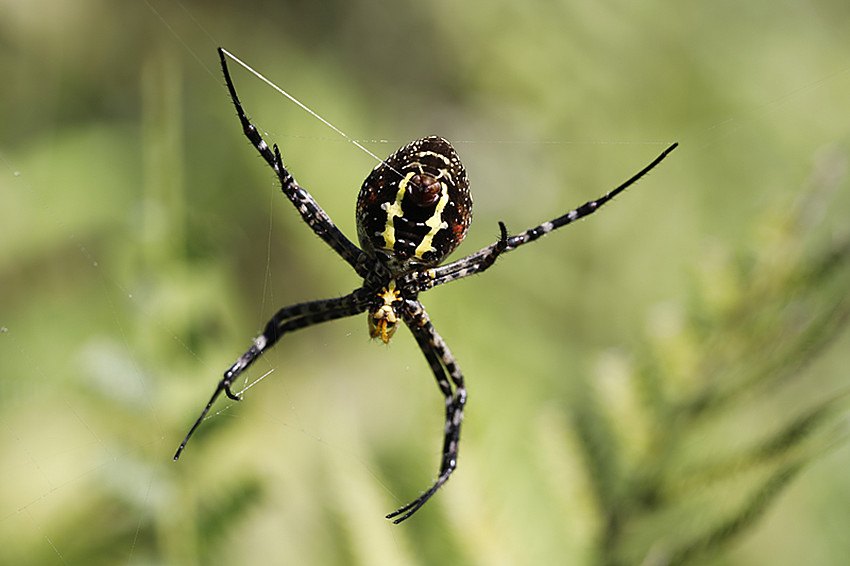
column 307, row 207
column 484, row 258
column 286, row 320
column 445, row 369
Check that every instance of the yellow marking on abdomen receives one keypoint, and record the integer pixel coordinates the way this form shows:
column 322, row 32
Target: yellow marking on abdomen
column 435, row 223
column 394, row 211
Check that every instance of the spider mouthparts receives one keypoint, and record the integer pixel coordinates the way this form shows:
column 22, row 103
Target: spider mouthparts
column 382, row 328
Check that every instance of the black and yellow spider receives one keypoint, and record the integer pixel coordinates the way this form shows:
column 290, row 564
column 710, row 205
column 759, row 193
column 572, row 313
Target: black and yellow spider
column 412, row 212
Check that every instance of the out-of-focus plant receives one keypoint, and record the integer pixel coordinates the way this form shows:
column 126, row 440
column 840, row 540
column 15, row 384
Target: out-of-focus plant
column 715, row 418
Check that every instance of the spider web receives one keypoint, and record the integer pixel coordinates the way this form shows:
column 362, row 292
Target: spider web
column 116, row 321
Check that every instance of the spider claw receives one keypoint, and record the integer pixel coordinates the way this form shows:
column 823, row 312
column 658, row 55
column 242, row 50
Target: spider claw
column 408, row 510
column 503, row 233
column 230, row 393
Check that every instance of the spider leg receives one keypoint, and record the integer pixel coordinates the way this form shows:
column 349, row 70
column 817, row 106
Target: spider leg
column 474, row 263
column 310, row 211
column 586, row 209
column 445, row 369
column 287, row 319
column 485, row 257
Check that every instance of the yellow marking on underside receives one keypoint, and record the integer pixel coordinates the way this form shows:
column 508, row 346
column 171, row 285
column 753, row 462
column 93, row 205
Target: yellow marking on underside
column 435, row 223
column 382, row 323
column 393, row 211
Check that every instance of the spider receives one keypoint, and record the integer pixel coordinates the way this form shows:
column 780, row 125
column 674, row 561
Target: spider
column 413, row 210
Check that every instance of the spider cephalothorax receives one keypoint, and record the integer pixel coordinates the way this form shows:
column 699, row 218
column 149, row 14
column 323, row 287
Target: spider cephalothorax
column 412, row 212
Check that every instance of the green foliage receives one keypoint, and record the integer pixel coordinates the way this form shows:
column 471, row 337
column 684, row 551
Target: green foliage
column 707, row 467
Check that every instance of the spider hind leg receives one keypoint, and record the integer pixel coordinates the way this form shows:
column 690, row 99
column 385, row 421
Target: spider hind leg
column 447, row 373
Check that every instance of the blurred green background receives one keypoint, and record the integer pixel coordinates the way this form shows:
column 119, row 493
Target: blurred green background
column 660, row 384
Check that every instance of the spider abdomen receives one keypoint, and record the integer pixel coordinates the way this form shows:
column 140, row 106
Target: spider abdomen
column 414, row 208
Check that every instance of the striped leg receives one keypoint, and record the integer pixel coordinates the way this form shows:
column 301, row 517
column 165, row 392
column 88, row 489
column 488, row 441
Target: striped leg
column 286, row 320
column 445, row 369
column 484, row 258
column 310, row 211
column 474, row 263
